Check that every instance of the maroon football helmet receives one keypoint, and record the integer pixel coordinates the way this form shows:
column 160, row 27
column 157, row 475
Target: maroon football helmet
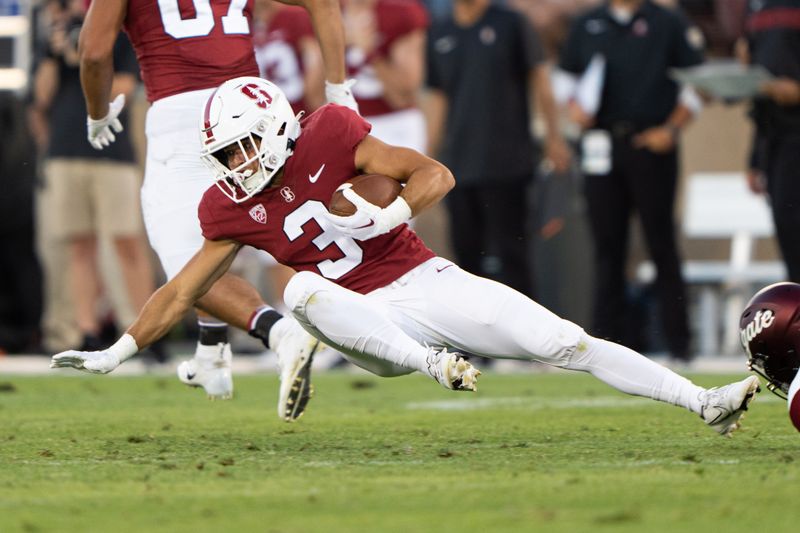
column 770, row 333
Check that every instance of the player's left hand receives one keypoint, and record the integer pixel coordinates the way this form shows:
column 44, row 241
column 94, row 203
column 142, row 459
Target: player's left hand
column 341, row 93
column 95, row 362
column 369, row 220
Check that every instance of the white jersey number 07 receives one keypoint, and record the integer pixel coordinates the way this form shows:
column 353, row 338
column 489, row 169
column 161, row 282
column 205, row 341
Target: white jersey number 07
column 203, row 22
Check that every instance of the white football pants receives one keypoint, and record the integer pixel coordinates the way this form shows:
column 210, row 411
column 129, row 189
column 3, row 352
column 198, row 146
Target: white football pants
column 175, row 178
column 389, row 331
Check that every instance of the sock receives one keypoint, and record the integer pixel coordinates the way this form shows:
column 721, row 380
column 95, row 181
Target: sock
column 633, row 373
column 212, row 332
column 261, row 322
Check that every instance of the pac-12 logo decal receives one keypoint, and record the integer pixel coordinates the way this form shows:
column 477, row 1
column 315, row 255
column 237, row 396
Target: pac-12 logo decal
column 259, row 214
column 262, row 97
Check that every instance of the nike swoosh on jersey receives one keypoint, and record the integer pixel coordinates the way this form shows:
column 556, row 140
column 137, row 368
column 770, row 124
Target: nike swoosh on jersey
column 444, row 267
column 315, row 177
column 369, row 224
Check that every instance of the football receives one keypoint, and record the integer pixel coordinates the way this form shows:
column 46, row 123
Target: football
column 377, row 189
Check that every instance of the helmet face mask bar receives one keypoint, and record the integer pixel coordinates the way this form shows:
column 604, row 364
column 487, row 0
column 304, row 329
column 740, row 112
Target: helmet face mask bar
column 770, row 335
column 250, row 116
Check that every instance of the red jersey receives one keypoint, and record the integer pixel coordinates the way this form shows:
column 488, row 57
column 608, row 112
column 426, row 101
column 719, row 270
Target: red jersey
column 278, row 52
column 188, row 45
column 288, row 219
column 395, row 19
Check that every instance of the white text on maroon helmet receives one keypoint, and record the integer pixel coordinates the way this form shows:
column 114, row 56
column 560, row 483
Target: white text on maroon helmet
column 760, row 322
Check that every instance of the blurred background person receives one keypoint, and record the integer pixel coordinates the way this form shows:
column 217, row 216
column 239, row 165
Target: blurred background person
column 485, row 67
column 20, row 272
column 88, row 194
column 630, row 152
column 386, row 56
column 772, row 40
column 288, row 54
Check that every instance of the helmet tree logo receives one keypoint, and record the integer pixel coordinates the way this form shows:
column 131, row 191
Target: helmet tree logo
column 761, row 321
column 254, row 92
column 259, row 213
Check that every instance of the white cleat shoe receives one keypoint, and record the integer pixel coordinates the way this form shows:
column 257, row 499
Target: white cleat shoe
column 295, row 348
column 722, row 407
column 210, row 368
column 452, row 370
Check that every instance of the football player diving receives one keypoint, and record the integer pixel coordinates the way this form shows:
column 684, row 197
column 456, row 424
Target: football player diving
column 366, row 284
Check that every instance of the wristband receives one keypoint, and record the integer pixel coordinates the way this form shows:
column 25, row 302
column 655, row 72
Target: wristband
column 396, row 213
column 124, row 348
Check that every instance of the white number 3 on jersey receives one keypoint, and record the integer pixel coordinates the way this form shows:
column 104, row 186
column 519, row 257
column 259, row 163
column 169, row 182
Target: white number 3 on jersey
column 329, row 268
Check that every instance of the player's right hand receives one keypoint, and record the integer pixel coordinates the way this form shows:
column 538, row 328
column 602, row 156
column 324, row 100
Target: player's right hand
column 99, row 132
column 95, row 362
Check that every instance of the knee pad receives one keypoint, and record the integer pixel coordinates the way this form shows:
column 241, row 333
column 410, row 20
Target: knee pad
column 301, row 287
column 564, row 342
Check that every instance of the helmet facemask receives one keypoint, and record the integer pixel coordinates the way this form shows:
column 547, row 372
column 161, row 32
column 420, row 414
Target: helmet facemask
column 243, row 181
column 777, row 371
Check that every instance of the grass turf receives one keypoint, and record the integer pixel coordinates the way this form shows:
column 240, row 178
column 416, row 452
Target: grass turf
column 546, row 452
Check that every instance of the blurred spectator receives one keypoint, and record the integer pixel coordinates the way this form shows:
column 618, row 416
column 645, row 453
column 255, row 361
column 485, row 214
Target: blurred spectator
column 484, row 63
column 773, row 41
column 716, row 19
column 20, row 274
column 629, row 151
column 551, row 18
column 90, row 193
column 386, row 55
column 288, row 54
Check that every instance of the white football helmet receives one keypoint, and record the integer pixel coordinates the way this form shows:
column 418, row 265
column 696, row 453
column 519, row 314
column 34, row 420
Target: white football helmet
column 250, row 116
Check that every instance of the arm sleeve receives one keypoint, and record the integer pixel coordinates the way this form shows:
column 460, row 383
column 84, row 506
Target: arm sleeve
column 531, row 44
column 687, row 49
column 570, row 59
column 343, row 128
column 433, row 79
column 208, row 226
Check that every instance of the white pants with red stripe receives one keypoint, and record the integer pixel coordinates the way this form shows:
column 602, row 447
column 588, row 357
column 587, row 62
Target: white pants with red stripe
column 175, row 178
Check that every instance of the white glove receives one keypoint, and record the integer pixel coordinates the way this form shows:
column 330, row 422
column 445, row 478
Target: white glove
column 341, row 93
column 94, row 362
column 99, row 131
column 369, row 220
column 100, row 362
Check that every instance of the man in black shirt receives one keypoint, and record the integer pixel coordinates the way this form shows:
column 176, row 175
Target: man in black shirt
column 484, row 63
column 87, row 194
column 773, row 39
column 630, row 155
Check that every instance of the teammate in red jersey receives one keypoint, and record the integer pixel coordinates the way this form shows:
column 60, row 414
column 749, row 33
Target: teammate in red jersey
column 186, row 49
column 385, row 54
column 288, row 55
column 367, row 285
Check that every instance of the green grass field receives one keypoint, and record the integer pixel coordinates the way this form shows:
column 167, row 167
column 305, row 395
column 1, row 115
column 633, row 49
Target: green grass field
column 538, row 452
